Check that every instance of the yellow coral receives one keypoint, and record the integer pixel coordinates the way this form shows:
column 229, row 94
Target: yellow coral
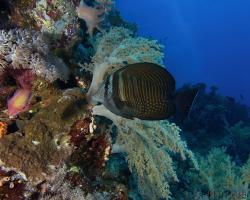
column 3, row 129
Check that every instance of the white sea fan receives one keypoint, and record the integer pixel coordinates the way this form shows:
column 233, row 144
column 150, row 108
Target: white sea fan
column 23, row 49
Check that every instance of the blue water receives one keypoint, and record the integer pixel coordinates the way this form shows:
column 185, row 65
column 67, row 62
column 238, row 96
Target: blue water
column 206, row 41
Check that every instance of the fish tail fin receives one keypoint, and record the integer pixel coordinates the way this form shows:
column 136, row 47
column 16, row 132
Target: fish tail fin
column 184, row 101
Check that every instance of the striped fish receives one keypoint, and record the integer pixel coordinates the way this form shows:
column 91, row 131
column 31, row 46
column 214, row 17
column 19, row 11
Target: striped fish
column 145, row 91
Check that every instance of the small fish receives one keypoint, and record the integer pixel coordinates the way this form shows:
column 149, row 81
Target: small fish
column 145, row 91
column 18, row 102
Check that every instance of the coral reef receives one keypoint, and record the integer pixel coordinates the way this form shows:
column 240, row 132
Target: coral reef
column 12, row 185
column 55, row 145
column 219, row 178
column 116, row 48
column 36, row 155
column 238, row 137
column 62, row 189
column 22, row 49
column 92, row 16
column 210, row 121
column 148, row 146
column 92, row 147
column 55, row 17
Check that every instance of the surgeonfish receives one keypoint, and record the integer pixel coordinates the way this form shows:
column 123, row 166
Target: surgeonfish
column 145, row 91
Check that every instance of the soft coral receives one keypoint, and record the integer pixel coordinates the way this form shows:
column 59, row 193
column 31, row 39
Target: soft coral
column 91, row 15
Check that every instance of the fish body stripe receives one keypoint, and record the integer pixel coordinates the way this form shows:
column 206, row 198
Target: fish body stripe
column 145, row 92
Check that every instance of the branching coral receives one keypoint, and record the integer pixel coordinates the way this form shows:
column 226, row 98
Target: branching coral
column 149, row 146
column 21, row 49
column 118, row 47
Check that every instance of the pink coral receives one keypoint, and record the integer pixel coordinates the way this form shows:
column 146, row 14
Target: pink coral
column 91, row 15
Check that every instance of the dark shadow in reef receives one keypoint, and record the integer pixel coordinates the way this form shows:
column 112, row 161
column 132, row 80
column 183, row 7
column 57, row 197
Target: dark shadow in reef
column 5, row 12
column 217, row 121
column 74, row 108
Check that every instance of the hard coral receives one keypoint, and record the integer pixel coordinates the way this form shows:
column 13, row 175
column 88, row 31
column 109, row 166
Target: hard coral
column 22, row 49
